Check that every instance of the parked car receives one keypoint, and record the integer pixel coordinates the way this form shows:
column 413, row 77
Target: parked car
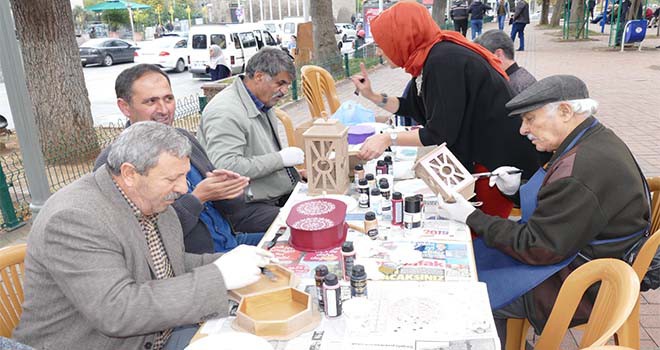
column 169, row 53
column 106, row 51
column 274, row 27
column 239, row 42
column 347, row 30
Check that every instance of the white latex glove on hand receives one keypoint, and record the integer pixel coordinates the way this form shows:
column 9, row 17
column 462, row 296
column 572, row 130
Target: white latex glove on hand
column 506, row 183
column 459, row 210
column 241, row 266
column 292, row 156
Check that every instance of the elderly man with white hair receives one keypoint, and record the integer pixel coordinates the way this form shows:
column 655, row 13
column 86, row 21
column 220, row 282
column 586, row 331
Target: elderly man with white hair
column 589, row 201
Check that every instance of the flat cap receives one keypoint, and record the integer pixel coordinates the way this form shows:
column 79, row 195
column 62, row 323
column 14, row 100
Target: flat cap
column 551, row 89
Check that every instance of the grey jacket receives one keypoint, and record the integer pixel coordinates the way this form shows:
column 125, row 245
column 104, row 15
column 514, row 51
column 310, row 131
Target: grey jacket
column 521, row 14
column 89, row 278
column 236, row 136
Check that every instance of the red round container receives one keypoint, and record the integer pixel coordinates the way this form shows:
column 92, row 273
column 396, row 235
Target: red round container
column 317, row 224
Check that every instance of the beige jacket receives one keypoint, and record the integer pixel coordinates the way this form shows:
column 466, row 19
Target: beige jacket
column 237, row 137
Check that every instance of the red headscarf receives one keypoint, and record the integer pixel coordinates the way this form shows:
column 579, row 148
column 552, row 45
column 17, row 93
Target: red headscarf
column 406, row 33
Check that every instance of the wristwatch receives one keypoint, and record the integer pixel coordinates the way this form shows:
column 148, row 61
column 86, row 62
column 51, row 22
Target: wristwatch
column 382, row 102
column 393, row 138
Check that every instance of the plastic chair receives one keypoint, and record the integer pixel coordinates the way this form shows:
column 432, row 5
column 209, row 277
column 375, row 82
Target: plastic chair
column 317, row 84
column 634, row 32
column 617, row 297
column 654, row 187
column 285, row 119
column 12, row 271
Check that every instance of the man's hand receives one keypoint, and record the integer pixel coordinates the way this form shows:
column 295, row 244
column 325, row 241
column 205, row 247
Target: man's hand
column 292, row 156
column 507, row 183
column 459, row 210
column 374, row 146
column 220, row 184
column 240, row 267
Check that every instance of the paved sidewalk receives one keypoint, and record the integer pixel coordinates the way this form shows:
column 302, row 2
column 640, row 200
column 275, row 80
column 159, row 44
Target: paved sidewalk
column 627, row 85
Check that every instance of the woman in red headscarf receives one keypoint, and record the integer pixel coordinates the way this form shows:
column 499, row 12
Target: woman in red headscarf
column 458, row 92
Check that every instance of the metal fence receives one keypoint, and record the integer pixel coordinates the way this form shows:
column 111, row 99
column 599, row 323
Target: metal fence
column 67, row 164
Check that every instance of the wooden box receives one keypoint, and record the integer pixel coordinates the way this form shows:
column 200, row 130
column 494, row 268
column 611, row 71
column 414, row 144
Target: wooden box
column 444, row 174
column 283, row 278
column 279, row 315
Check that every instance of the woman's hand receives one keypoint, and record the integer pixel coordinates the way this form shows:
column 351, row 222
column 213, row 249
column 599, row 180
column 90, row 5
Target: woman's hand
column 362, row 82
column 374, row 146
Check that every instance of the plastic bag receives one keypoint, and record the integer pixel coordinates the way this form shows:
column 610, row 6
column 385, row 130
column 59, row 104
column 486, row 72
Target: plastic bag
column 351, row 113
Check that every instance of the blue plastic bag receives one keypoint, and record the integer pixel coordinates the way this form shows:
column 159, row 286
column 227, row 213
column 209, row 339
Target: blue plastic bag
column 351, row 113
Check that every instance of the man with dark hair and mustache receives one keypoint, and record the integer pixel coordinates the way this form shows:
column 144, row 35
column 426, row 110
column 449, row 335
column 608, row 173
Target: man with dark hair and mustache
column 239, row 129
column 105, row 267
column 213, row 213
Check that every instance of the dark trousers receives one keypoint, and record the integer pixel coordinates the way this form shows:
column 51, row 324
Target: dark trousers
column 519, row 29
column 220, row 72
column 460, row 25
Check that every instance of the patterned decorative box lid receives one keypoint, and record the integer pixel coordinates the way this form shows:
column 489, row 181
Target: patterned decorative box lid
column 317, row 214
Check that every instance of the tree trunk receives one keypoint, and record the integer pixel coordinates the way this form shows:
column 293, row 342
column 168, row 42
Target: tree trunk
column 545, row 7
column 557, row 12
column 577, row 20
column 55, row 79
column 325, row 45
column 439, row 12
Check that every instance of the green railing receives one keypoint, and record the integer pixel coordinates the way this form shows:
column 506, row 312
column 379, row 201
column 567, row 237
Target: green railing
column 69, row 163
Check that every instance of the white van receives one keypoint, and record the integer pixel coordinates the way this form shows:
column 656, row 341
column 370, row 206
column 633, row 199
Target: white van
column 238, row 42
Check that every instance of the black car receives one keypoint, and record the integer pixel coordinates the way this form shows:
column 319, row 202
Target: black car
column 106, row 51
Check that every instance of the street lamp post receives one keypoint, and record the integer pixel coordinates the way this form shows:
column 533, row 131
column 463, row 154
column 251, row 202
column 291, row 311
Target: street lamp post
column 271, row 9
column 279, row 8
column 251, row 17
column 261, row 10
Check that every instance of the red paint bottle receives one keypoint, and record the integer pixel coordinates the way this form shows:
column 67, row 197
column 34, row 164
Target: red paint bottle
column 397, row 209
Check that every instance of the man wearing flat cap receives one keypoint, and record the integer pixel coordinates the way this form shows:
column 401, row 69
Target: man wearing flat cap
column 589, row 201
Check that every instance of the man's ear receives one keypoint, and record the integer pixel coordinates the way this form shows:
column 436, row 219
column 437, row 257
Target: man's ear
column 500, row 54
column 124, row 107
column 565, row 111
column 128, row 174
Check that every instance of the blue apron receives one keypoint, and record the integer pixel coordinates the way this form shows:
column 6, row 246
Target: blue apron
column 507, row 278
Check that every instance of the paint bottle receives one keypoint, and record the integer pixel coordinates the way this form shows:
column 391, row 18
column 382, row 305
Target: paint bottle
column 390, row 165
column 397, row 209
column 358, row 282
column 375, row 200
column 371, row 225
column 371, row 180
column 363, row 190
column 348, row 258
column 320, row 272
column 385, row 204
column 381, row 168
column 358, row 174
column 332, row 295
column 412, row 213
column 384, row 186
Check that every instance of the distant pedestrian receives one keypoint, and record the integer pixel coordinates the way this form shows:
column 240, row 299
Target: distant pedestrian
column 169, row 26
column 520, row 20
column 459, row 14
column 217, row 65
column 502, row 13
column 92, row 33
column 292, row 44
column 477, row 11
column 358, row 44
column 592, row 5
column 159, row 31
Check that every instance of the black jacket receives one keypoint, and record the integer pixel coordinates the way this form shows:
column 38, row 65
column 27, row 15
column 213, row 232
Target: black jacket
column 462, row 103
column 478, row 10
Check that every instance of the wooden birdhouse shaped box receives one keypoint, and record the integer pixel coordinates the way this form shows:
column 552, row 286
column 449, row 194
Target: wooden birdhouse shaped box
column 444, row 174
column 326, row 150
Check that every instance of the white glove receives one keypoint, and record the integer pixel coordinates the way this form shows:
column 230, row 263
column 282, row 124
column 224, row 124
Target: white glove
column 292, row 156
column 459, row 210
column 507, row 183
column 241, row 266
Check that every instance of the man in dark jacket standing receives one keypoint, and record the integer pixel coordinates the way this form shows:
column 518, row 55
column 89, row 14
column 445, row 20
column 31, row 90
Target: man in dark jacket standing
column 459, row 14
column 477, row 11
column 520, row 20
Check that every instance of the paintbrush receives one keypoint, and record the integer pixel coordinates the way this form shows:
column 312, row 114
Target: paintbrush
column 489, row 174
column 357, row 92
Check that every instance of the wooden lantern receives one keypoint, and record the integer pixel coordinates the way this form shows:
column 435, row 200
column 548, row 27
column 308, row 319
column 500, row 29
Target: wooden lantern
column 444, row 174
column 326, row 150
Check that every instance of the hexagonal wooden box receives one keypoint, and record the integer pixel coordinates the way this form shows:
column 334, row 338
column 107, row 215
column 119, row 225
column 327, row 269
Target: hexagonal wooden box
column 283, row 278
column 279, row 315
